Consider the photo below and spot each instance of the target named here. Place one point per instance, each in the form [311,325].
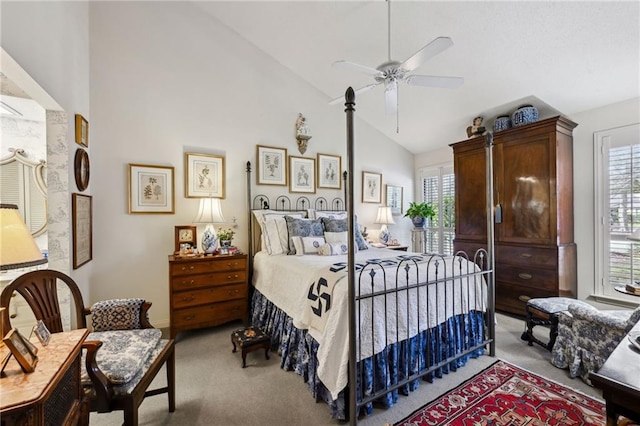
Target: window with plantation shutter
[618,208]
[438,189]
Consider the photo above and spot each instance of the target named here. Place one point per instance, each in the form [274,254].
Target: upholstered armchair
[123,353]
[587,336]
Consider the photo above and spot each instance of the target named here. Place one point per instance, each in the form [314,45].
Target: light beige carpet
[212,388]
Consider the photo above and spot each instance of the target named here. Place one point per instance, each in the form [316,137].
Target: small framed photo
[21,350]
[371,187]
[271,165]
[42,333]
[302,174]
[82,131]
[329,171]
[204,175]
[151,189]
[185,235]
[82,218]
[394,198]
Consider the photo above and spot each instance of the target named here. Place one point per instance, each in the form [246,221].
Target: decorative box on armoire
[535,255]
[207,291]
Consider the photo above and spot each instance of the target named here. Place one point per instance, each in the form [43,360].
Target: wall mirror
[23,182]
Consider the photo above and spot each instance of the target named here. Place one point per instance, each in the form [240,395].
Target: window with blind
[618,207]
[438,189]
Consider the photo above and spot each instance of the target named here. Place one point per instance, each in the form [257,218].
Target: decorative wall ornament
[302,133]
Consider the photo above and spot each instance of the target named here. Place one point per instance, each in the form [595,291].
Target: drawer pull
[229,277]
[525,276]
[232,292]
[189,317]
[188,282]
[188,298]
[525,255]
[191,268]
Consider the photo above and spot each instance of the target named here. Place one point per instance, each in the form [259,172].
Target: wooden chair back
[40,290]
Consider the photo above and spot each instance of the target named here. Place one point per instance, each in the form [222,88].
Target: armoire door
[470,187]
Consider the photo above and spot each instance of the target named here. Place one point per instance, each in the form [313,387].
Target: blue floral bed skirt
[431,347]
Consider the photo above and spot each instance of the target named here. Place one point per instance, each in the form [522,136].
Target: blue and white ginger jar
[526,114]
[502,122]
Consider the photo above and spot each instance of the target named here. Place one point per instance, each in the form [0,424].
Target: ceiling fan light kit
[390,72]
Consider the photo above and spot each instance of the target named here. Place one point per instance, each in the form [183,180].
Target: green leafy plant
[425,210]
[226,234]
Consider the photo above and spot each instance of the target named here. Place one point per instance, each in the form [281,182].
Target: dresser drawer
[207,280]
[527,277]
[200,267]
[185,299]
[203,316]
[529,256]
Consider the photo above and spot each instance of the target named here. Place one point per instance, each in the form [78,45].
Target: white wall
[589,122]
[167,79]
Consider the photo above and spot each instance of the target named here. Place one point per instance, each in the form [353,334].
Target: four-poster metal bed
[410,317]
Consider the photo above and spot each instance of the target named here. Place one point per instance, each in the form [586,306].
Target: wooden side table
[53,391]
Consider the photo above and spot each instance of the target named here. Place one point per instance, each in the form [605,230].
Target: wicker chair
[124,352]
[587,336]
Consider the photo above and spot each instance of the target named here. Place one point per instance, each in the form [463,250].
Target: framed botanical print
[271,165]
[371,187]
[302,172]
[82,131]
[151,189]
[82,218]
[185,235]
[329,171]
[394,198]
[204,175]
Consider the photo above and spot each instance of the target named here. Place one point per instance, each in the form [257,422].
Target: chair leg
[171,380]
[130,413]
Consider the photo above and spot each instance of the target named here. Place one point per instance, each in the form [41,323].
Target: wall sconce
[209,212]
[384,217]
[302,133]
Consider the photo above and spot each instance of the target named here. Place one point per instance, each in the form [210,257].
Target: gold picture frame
[24,353]
[151,189]
[394,199]
[204,175]
[302,174]
[82,131]
[371,187]
[271,164]
[329,171]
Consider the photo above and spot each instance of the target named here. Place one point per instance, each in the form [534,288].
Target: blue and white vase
[502,122]
[384,235]
[209,240]
[525,114]
[419,222]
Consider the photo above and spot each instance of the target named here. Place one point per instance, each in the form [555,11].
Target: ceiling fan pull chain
[389,29]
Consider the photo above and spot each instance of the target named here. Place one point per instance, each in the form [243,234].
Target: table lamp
[384,217]
[18,249]
[210,212]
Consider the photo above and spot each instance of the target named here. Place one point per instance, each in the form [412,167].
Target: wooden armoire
[535,255]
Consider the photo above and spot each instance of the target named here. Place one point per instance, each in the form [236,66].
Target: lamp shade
[635,236]
[384,216]
[18,249]
[209,211]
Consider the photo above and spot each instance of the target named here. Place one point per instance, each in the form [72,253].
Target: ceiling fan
[390,72]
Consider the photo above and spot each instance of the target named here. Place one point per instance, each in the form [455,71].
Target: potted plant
[225,236]
[419,213]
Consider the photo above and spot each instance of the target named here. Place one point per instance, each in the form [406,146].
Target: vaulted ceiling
[562,57]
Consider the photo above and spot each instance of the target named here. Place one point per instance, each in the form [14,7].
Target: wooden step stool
[250,339]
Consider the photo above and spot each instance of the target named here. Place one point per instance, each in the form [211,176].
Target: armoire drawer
[528,256]
[527,277]
[185,299]
[508,296]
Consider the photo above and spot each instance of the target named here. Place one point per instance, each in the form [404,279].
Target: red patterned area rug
[504,394]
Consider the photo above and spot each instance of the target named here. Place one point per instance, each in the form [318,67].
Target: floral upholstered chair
[587,336]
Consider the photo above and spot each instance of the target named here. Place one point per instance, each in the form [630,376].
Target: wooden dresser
[52,393]
[533,181]
[207,291]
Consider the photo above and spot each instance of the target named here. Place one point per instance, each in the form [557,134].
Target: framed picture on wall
[371,187]
[204,175]
[271,165]
[394,198]
[82,131]
[151,189]
[302,172]
[81,213]
[329,171]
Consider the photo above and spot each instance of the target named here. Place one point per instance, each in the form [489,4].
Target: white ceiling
[564,57]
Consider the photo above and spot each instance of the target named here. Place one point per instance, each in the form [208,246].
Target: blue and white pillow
[340,225]
[302,228]
[307,245]
[333,249]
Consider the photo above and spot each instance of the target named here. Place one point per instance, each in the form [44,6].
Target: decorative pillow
[302,228]
[339,238]
[333,249]
[340,225]
[275,238]
[307,245]
[317,214]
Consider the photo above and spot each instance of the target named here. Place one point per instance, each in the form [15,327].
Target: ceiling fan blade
[429,51]
[435,81]
[357,91]
[391,96]
[357,67]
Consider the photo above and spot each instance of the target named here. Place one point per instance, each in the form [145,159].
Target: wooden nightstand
[207,291]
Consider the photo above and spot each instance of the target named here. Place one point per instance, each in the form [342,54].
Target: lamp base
[209,240]
[384,235]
